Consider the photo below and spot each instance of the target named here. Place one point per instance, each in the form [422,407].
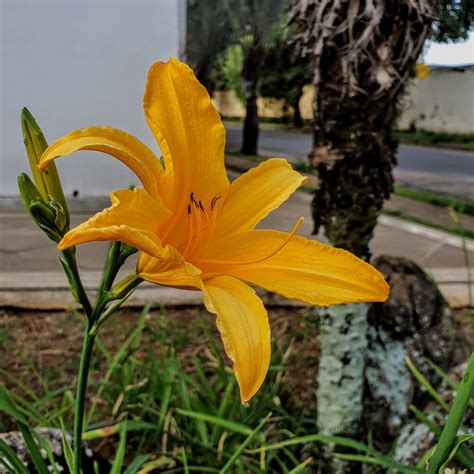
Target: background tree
[256,19]
[209,32]
[226,72]
[284,72]
[363,53]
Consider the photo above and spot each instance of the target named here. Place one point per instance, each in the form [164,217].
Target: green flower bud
[47,182]
[48,215]
[28,191]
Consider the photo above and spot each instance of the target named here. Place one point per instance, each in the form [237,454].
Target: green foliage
[462,140]
[454,229]
[455,19]
[226,71]
[284,73]
[182,413]
[459,205]
[210,30]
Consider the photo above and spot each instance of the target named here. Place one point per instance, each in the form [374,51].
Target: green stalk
[111,267]
[83,376]
[77,288]
[453,422]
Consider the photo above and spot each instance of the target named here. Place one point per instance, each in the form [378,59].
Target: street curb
[50,291]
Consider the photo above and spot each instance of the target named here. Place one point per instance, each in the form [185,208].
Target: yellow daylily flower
[195,230]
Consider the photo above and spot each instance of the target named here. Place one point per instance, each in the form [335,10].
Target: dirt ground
[41,349]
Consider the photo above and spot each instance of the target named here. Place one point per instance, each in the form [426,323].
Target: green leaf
[33,449]
[152,465]
[45,446]
[106,431]
[215,420]
[7,406]
[137,463]
[337,440]
[454,419]
[118,460]
[457,445]
[381,461]
[133,338]
[428,387]
[70,278]
[10,460]
[67,448]
[241,448]
[449,381]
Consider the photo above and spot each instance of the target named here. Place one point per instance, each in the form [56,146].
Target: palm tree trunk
[363,55]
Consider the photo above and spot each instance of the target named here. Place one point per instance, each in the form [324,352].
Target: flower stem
[75,281]
[83,376]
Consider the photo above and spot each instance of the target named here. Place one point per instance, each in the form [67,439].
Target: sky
[453,54]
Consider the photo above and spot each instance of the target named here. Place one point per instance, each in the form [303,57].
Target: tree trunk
[363,55]
[342,345]
[253,61]
[250,131]
[203,74]
[297,120]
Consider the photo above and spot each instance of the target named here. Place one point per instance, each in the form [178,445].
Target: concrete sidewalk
[30,273]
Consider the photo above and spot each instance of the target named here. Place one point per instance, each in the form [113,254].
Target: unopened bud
[28,191]
[47,182]
[48,215]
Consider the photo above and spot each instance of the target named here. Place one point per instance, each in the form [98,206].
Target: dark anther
[191,197]
[201,206]
[189,209]
[214,201]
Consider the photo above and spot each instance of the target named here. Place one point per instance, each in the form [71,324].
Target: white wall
[442,102]
[78,63]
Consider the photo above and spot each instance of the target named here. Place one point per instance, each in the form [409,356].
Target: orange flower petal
[133,219]
[303,269]
[243,323]
[188,130]
[256,193]
[126,148]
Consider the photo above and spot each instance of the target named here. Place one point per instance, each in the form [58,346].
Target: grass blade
[10,460]
[449,381]
[136,464]
[428,387]
[118,460]
[455,416]
[338,440]
[386,462]
[129,425]
[215,420]
[67,448]
[241,448]
[457,446]
[121,354]
[33,449]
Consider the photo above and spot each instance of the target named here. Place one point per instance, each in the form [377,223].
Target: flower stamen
[259,260]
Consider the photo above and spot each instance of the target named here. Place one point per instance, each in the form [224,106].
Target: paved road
[435,169]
